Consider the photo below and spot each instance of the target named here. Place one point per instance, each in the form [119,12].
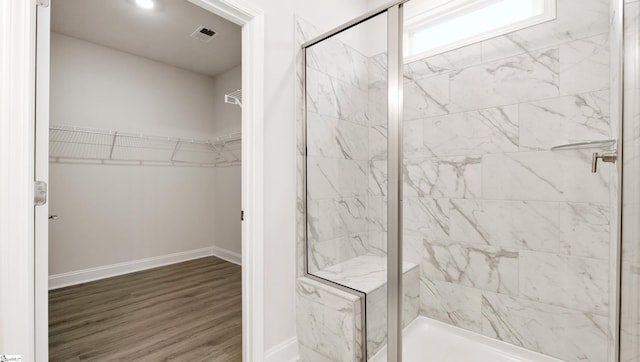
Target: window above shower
[462,22]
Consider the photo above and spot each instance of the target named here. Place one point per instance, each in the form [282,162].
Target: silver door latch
[608,156]
[39,194]
[10,358]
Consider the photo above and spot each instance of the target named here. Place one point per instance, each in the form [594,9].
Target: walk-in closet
[144,188]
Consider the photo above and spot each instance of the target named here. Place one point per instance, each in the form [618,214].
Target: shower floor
[428,340]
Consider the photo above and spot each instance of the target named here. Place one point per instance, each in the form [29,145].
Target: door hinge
[43,3]
[241,215]
[40,193]
[10,358]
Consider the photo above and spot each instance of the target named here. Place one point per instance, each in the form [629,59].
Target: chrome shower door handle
[609,156]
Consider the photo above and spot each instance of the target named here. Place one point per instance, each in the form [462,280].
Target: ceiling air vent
[203,34]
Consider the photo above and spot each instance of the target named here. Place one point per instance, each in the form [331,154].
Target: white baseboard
[227,255]
[286,351]
[112,270]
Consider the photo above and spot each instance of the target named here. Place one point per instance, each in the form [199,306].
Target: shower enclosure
[466,176]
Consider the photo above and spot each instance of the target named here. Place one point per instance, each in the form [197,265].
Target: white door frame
[252,22]
[24,243]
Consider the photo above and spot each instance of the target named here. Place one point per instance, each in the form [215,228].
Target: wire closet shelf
[95,146]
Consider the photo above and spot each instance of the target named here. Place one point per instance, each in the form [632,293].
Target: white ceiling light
[145,4]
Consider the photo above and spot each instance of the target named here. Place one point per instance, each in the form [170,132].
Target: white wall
[226,211]
[95,86]
[113,214]
[227,182]
[228,116]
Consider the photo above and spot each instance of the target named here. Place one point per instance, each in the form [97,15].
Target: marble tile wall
[338,130]
[328,323]
[512,238]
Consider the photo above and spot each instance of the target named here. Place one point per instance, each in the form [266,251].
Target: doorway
[144,179]
[251,21]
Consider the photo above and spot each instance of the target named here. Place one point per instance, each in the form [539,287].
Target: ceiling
[162,33]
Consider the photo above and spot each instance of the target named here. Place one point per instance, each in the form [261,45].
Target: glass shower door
[508,227]
[346,176]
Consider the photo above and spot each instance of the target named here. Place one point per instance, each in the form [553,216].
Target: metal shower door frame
[395,39]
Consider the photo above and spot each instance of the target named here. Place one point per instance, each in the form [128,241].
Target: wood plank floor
[189,311]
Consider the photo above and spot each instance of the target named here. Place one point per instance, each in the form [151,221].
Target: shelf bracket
[175,149]
[113,144]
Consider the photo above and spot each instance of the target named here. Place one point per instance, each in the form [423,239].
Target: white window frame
[427,16]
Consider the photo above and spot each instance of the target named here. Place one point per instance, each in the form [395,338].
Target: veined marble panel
[326,322]
[377,208]
[631,60]
[377,107]
[456,177]
[332,218]
[412,141]
[322,178]
[528,225]
[556,331]
[412,248]
[377,217]
[630,319]
[323,254]
[300,217]
[562,120]
[336,178]
[481,267]
[340,61]
[303,32]
[490,130]
[548,176]
[378,71]
[330,137]
[377,242]
[335,98]
[426,217]
[585,230]
[584,65]
[426,97]
[378,177]
[378,142]
[512,80]
[411,292]
[444,63]
[572,282]
[454,304]
[578,229]
[575,19]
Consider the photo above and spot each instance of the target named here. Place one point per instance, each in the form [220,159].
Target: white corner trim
[112,270]
[228,255]
[286,351]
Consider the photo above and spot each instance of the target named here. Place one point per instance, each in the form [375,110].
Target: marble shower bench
[329,319]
